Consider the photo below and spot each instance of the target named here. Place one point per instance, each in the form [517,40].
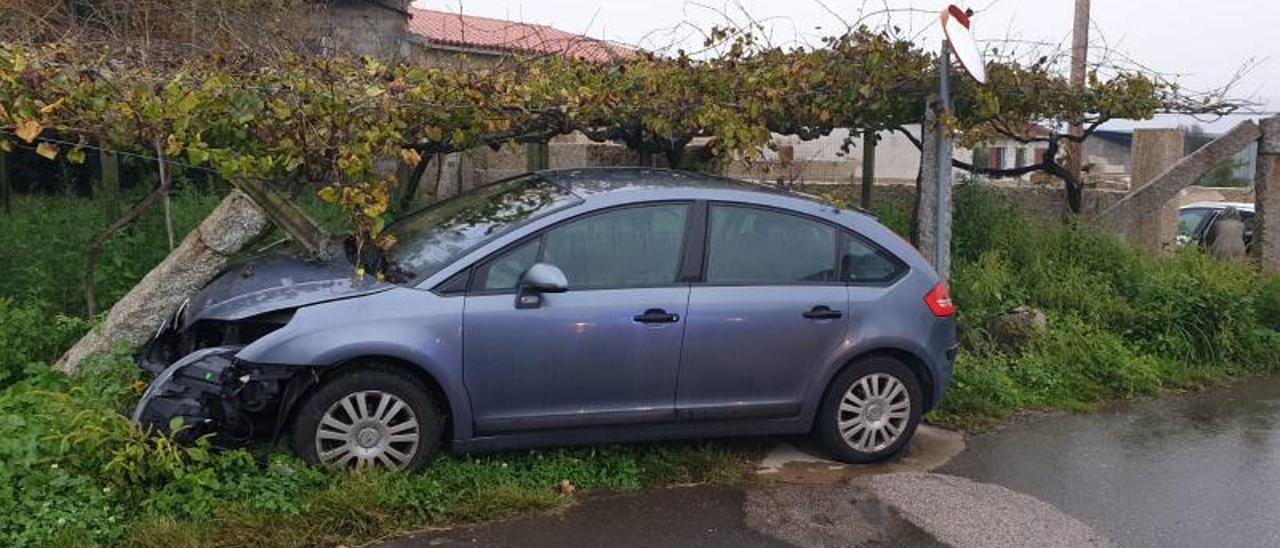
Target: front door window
[592,355]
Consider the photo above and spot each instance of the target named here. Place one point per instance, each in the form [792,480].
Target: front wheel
[368,417]
[870,411]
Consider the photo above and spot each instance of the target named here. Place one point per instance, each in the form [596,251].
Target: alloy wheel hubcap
[874,412]
[370,428]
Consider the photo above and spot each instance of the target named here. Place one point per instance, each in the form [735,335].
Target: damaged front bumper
[210,392]
[190,394]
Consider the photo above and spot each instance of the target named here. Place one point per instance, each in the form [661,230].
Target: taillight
[939,301]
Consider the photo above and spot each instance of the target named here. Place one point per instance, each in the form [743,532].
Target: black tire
[873,369]
[374,380]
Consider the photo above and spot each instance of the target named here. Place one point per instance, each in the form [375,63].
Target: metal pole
[942,205]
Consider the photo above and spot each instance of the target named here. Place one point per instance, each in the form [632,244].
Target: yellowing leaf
[410,157]
[52,106]
[4,114]
[76,155]
[328,194]
[48,151]
[6,146]
[28,130]
[173,146]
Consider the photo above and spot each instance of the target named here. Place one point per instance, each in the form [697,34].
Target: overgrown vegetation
[73,471]
[1120,323]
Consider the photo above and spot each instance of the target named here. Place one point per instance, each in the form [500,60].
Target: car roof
[602,180]
[1219,205]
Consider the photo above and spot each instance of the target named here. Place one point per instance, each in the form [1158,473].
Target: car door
[604,352]
[770,313]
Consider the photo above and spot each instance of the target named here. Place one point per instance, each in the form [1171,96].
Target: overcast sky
[1202,43]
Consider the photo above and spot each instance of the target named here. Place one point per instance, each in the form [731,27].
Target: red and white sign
[955,25]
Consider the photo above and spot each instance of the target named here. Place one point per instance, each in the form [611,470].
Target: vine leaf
[410,157]
[47,151]
[28,130]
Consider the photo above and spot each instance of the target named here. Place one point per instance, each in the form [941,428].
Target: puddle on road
[788,463]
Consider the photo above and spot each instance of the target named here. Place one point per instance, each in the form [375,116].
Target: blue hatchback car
[568,307]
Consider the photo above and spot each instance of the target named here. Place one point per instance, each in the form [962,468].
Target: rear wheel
[870,411]
[372,417]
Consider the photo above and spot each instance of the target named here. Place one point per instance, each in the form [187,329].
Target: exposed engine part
[174,340]
[213,393]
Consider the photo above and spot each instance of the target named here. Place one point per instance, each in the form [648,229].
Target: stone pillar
[537,156]
[1266,186]
[201,256]
[1154,152]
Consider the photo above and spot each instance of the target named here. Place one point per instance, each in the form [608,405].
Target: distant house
[397,29]
[823,160]
[442,37]
[365,27]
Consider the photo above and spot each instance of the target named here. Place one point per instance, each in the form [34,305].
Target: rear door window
[754,246]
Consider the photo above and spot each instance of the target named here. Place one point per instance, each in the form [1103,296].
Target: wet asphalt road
[693,517]
[1199,469]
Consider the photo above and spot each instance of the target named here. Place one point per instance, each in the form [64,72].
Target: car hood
[275,282]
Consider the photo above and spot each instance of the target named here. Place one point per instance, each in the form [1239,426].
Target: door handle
[823,312]
[656,315]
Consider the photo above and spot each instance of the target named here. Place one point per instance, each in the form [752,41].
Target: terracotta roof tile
[500,35]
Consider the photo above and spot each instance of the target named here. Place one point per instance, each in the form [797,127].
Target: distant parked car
[1195,219]
[566,307]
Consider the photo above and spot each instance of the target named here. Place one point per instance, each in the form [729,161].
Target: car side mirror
[538,279]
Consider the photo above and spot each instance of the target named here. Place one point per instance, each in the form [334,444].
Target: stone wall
[451,173]
[1041,204]
[361,27]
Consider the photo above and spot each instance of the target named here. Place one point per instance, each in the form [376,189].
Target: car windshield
[1189,220]
[434,237]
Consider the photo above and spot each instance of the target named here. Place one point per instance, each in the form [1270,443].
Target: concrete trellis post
[1266,186]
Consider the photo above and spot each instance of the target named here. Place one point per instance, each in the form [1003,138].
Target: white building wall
[897,159]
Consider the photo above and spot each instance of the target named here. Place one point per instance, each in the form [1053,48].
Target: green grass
[1121,323]
[73,471]
[44,243]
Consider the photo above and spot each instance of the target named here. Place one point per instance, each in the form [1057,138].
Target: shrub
[1121,323]
[1269,302]
[45,242]
[31,336]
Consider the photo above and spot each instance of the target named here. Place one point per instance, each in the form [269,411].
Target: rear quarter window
[862,262]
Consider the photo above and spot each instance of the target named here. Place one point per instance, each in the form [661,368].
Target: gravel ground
[964,514]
